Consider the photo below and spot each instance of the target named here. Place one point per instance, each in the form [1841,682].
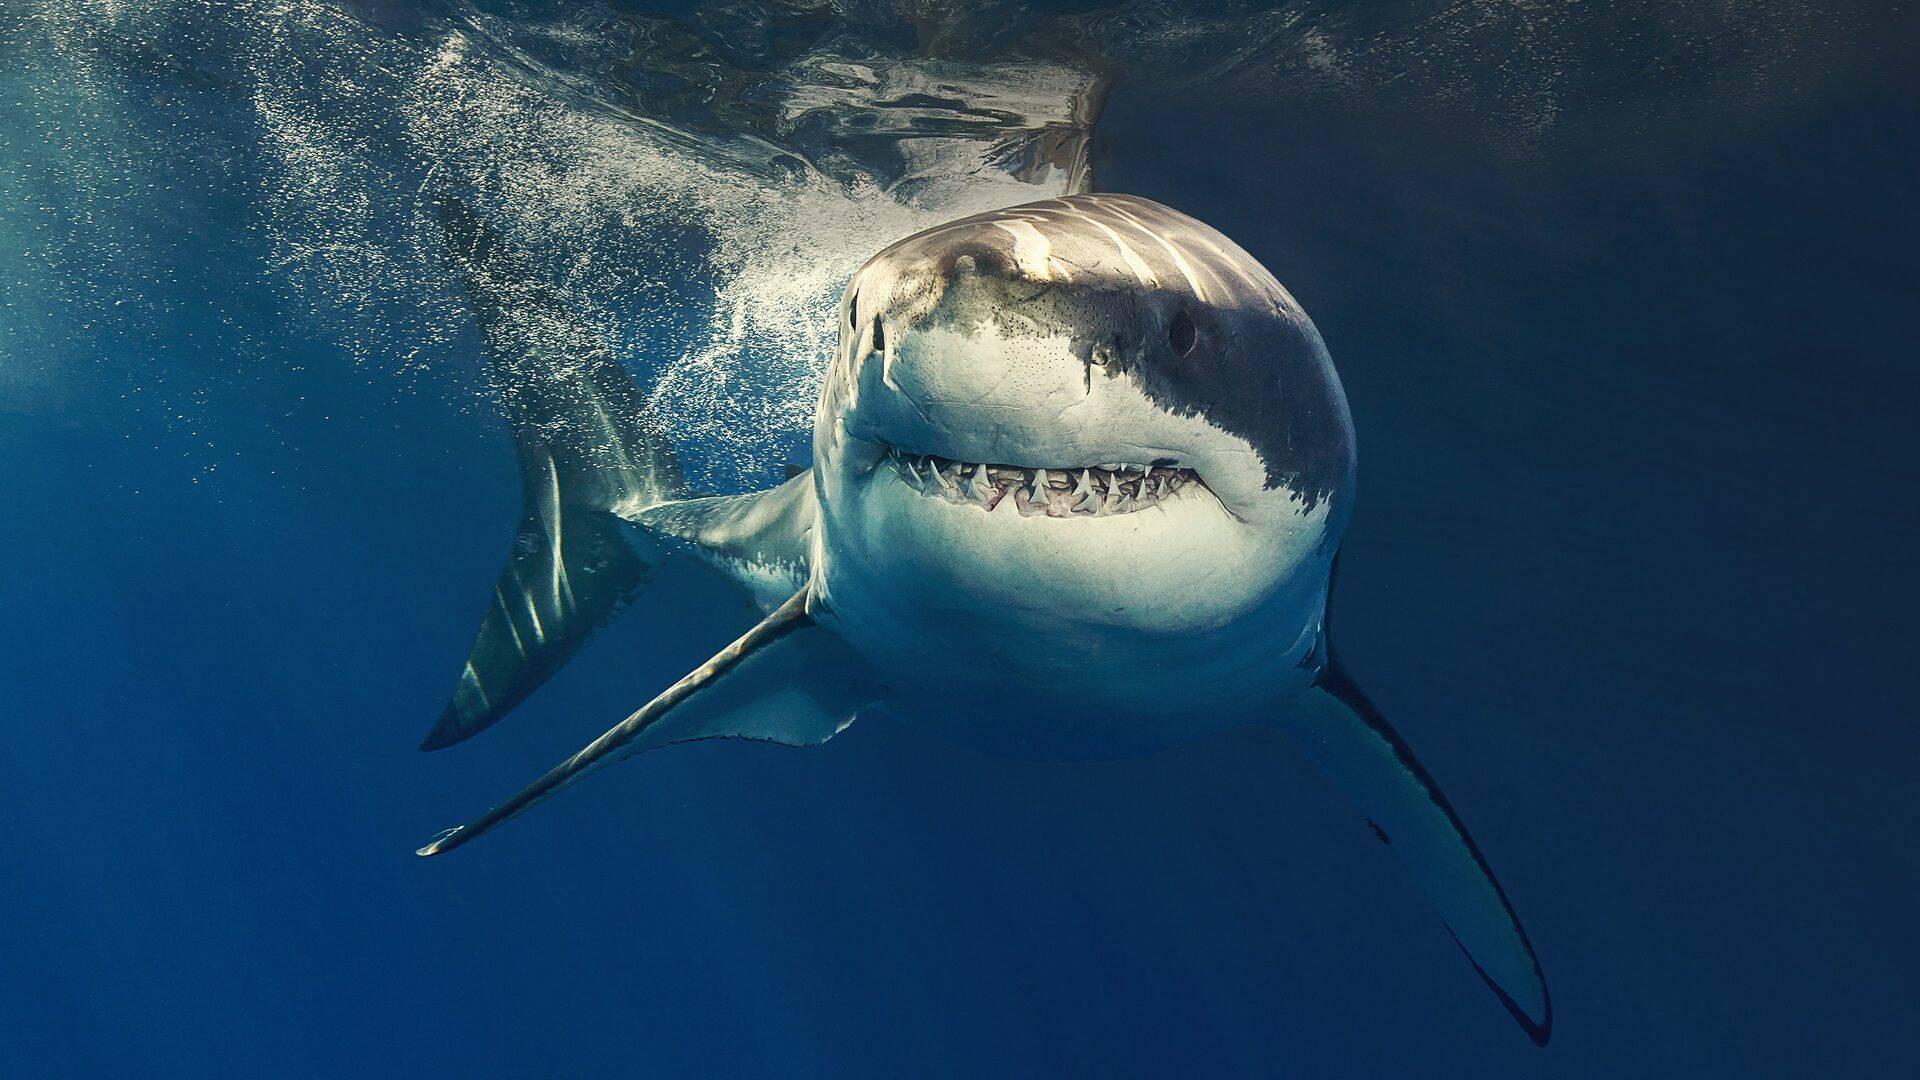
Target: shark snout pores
[940,345]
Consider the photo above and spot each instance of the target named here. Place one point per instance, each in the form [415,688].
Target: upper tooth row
[938,467]
[1095,489]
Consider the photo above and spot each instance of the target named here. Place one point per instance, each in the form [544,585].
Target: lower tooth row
[1033,490]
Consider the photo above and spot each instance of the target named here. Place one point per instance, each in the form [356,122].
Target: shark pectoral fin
[1351,741]
[761,539]
[787,680]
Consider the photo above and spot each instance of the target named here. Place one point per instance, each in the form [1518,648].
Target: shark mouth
[1088,490]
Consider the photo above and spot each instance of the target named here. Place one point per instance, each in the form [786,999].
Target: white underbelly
[1065,637]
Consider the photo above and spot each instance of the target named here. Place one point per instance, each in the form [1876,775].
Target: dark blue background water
[1630,569]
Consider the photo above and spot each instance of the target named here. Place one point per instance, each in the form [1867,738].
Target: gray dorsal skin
[1090,455]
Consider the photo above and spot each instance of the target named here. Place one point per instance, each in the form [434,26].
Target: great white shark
[1081,469]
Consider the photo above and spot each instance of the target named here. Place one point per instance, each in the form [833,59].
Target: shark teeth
[979,488]
[1082,490]
[940,478]
[1085,500]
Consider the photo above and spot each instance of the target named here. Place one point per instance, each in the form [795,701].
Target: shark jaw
[1061,491]
[956,552]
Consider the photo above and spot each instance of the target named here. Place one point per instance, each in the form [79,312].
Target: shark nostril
[879,337]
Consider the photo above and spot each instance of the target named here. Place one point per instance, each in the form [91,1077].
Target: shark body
[1081,471]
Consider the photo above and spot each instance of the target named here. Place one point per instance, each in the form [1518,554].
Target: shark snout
[975,393]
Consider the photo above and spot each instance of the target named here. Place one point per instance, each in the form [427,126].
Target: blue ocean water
[1619,298]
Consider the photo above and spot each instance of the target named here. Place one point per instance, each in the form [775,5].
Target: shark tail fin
[590,453]
[572,568]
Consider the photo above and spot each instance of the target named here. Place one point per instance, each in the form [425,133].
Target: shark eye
[1181,335]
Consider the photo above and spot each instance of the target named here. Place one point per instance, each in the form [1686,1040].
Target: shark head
[1075,436]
